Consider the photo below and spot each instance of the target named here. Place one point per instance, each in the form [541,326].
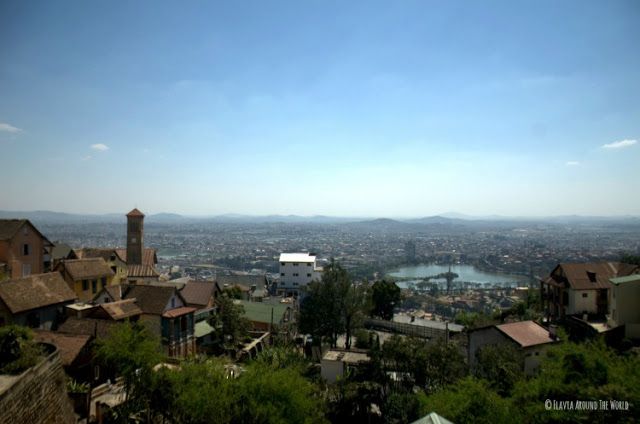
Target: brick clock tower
[135,244]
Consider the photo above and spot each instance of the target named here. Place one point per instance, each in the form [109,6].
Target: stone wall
[38,395]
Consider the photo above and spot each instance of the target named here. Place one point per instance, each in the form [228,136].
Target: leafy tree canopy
[385,295]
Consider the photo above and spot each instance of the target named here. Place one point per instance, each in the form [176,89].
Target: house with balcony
[166,314]
[581,289]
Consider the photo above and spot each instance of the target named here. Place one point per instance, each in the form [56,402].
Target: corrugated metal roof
[635,278]
[203,328]
[526,333]
[261,312]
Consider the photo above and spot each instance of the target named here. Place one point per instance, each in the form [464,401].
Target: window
[105,300]
[295,264]
[94,286]
[282,274]
[308,275]
[25,230]
[103,282]
[295,284]
[282,263]
[173,302]
[308,263]
[282,283]
[25,249]
[133,239]
[295,274]
[585,294]
[85,285]
[26,270]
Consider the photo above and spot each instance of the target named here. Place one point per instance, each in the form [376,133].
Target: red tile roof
[151,299]
[84,269]
[173,313]
[35,291]
[148,256]
[121,309]
[526,333]
[142,271]
[198,292]
[69,345]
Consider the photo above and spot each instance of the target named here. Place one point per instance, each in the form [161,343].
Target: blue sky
[337,108]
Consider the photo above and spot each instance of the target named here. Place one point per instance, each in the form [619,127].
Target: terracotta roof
[148,256]
[135,212]
[93,252]
[35,291]
[121,309]
[526,333]
[198,293]
[115,291]
[141,271]
[83,269]
[69,345]
[87,326]
[173,313]
[9,228]
[593,275]
[151,299]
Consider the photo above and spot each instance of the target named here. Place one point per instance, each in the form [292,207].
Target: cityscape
[317,212]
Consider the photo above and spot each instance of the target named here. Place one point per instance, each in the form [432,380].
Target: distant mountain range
[445,219]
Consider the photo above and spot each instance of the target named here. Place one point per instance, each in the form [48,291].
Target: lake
[467,273]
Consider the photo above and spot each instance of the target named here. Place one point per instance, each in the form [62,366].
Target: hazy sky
[393,108]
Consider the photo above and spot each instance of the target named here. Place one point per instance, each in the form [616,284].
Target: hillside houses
[23,249]
[35,301]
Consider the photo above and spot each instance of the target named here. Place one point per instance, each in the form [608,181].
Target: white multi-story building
[296,271]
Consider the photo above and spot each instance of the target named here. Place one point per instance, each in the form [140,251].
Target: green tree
[430,365]
[233,327]
[131,351]
[473,320]
[501,366]
[197,393]
[18,351]
[470,401]
[581,371]
[333,306]
[277,395]
[385,295]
